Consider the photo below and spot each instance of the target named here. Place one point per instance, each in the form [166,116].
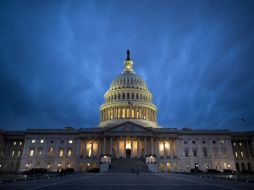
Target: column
[111,142]
[117,148]
[138,151]
[164,149]
[131,147]
[92,148]
[178,148]
[84,148]
[99,147]
[79,147]
[145,146]
[152,146]
[248,149]
[229,147]
[174,147]
[105,146]
[171,149]
[124,148]
[157,148]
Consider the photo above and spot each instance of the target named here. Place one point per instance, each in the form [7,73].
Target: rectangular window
[40,152]
[19,153]
[33,141]
[14,143]
[69,152]
[61,152]
[12,153]
[186,153]
[195,153]
[236,154]
[20,143]
[70,141]
[31,154]
[242,154]
[51,151]
[42,141]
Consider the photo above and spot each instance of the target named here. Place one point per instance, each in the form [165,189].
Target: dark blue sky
[58,58]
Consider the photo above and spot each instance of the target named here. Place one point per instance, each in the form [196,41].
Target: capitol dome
[128,99]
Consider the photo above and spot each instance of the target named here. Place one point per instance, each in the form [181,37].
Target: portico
[129,140]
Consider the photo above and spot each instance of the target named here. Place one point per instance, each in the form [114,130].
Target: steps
[120,165]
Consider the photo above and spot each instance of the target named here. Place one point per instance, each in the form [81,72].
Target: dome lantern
[128,63]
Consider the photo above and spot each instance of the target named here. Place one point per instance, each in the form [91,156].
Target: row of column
[165,142]
[128,113]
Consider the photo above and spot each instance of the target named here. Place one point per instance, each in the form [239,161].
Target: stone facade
[165,149]
[127,130]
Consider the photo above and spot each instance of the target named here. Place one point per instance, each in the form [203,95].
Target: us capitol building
[127,136]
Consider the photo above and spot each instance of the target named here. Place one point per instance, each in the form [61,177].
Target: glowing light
[128,145]
[31,153]
[61,152]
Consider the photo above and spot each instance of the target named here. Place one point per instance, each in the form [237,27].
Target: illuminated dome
[128,99]
[128,80]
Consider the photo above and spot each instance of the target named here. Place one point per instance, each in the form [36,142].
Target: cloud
[57,59]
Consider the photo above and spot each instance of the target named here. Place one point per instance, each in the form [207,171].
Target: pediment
[128,127]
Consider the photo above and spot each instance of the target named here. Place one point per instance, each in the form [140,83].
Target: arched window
[249,167]
[123,96]
[243,167]
[237,167]
[205,152]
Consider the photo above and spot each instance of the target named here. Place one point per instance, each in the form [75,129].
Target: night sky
[58,58]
